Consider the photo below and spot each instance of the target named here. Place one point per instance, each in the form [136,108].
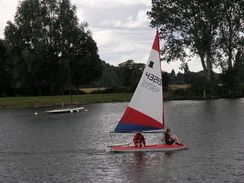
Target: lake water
[72,147]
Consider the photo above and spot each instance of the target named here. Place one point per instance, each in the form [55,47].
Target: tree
[230,80]
[4,74]
[165,79]
[52,47]
[230,29]
[234,76]
[109,76]
[172,77]
[87,66]
[130,73]
[193,28]
[239,64]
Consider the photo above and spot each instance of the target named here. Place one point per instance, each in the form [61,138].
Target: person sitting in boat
[171,139]
[139,140]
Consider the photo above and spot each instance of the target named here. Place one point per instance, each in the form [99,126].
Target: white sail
[145,110]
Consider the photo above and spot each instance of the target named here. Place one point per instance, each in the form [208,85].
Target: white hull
[65,110]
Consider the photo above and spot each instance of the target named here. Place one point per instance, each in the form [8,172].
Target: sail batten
[145,110]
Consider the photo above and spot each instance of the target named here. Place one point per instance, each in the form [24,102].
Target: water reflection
[139,162]
[149,166]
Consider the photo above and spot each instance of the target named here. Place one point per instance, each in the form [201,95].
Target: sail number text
[154,78]
[152,83]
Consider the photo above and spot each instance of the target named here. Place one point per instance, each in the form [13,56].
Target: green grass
[54,100]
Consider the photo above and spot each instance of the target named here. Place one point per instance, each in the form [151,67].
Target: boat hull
[65,110]
[156,147]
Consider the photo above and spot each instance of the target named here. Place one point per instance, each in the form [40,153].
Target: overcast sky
[120,28]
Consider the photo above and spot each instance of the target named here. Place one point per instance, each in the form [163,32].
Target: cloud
[105,4]
[118,45]
[138,21]
[120,28]
[7,12]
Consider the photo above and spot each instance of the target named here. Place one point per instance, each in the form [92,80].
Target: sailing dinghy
[145,111]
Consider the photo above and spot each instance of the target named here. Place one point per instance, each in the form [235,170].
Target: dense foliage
[48,50]
[4,72]
[211,30]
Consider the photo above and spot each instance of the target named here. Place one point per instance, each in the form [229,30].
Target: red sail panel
[156,43]
[133,116]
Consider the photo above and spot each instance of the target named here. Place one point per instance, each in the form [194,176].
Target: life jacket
[139,137]
[168,139]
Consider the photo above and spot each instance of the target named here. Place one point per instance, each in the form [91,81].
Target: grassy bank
[57,100]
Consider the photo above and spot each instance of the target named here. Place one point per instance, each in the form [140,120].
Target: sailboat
[145,112]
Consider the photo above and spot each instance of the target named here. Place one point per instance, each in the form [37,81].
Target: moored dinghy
[145,111]
[64,110]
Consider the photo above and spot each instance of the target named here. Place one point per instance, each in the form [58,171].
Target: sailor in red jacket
[139,140]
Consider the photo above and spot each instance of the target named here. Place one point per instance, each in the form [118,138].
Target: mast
[163,119]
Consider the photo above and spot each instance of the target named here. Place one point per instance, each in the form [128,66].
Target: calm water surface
[72,147]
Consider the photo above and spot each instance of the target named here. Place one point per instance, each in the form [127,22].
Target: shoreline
[45,101]
[66,100]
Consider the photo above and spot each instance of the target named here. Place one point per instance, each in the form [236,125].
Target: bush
[74,92]
[180,92]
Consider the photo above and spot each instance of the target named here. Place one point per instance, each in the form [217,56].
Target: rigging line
[162,139]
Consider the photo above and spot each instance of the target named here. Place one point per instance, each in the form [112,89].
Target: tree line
[128,74]
[125,77]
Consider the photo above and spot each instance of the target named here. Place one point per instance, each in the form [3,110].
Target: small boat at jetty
[64,110]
